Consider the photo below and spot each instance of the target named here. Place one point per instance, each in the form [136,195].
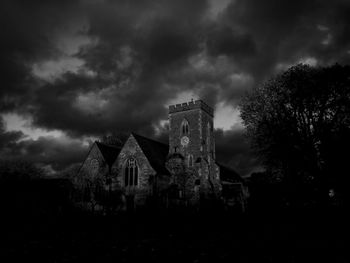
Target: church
[184,172]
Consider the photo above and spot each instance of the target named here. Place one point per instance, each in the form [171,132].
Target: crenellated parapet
[198,104]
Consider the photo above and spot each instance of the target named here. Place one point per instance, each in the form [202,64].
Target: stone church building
[147,172]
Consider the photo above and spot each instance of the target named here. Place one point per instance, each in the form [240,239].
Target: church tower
[191,131]
[191,134]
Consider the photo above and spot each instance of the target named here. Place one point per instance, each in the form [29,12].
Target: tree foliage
[299,123]
[19,170]
[115,139]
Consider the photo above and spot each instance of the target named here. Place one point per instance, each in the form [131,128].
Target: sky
[75,70]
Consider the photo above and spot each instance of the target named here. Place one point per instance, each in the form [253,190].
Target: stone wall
[198,104]
[87,168]
[200,179]
[92,170]
[202,142]
[146,173]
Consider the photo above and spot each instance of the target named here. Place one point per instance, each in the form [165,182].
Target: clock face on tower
[185,140]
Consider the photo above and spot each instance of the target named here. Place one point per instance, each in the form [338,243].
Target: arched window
[185,128]
[190,160]
[94,166]
[131,173]
[208,136]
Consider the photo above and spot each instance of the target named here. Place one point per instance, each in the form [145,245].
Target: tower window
[131,173]
[184,127]
[190,160]
[208,136]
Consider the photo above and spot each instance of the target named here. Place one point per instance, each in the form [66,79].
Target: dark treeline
[27,192]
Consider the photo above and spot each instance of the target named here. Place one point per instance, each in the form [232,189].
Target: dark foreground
[177,237]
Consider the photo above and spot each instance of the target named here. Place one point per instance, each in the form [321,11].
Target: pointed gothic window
[131,173]
[184,128]
[94,167]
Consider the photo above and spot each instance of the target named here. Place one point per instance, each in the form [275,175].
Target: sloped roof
[109,152]
[228,174]
[156,152]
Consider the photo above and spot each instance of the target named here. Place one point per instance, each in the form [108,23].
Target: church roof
[156,152]
[109,152]
[229,175]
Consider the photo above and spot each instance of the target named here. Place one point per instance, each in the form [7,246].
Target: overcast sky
[73,70]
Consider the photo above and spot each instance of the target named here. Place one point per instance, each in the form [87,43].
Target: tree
[115,139]
[183,179]
[70,172]
[96,190]
[298,123]
[19,170]
[26,191]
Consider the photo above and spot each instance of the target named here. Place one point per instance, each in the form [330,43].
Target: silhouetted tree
[299,122]
[96,190]
[182,181]
[19,170]
[115,138]
[25,190]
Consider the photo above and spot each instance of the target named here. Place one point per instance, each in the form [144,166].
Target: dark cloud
[137,46]
[223,40]
[285,31]
[57,153]
[93,67]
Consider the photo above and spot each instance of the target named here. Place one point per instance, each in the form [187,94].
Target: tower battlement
[198,104]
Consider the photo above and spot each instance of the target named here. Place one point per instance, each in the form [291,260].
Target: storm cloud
[86,68]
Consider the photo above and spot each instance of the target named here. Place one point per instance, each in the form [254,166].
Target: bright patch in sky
[241,80]
[217,6]
[322,28]
[311,61]
[160,127]
[201,62]
[93,102]
[51,69]
[15,122]
[226,117]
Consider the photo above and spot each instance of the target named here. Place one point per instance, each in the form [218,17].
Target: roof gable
[228,174]
[109,152]
[155,152]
